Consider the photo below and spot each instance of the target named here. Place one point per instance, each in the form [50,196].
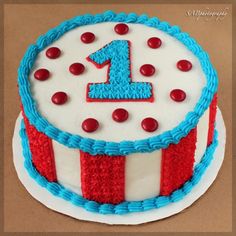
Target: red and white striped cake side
[41,151]
[107,179]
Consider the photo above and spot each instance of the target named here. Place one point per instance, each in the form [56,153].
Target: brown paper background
[22,25]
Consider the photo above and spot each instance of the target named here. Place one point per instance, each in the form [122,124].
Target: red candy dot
[147,70]
[120,115]
[121,28]
[59,98]
[154,42]
[149,124]
[76,68]
[41,74]
[87,37]
[90,125]
[178,95]
[184,65]
[53,52]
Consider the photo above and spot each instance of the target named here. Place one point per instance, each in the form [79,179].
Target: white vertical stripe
[202,135]
[67,162]
[142,175]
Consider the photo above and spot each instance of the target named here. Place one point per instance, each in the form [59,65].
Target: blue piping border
[93,146]
[126,206]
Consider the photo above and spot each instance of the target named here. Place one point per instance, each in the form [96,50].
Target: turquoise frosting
[127,206]
[94,146]
[119,85]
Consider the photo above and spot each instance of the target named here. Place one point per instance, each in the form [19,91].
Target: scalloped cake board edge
[65,207]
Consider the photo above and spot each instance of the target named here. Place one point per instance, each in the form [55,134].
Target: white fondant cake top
[69,116]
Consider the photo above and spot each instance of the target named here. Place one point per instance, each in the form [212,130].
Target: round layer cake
[118,109]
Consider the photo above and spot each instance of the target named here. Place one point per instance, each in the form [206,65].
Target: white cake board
[65,207]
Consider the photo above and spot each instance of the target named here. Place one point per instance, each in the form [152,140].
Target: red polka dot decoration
[184,65]
[120,115]
[76,68]
[90,125]
[177,95]
[59,98]
[149,124]
[41,74]
[121,28]
[53,52]
[87,37]
[147,70]
[154,42]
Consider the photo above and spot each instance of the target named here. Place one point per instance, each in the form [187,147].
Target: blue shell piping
[125,147]
[126,206]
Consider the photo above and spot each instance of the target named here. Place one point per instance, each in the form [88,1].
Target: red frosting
[76,68]
[90,125]
[53,52]
[178,95]
[121,28]
[41,74]
[103,178]
[87,37]
[59,98]
[120,115]
[177,163]
[212,117]
[147,70]
[149,124]
[41,151]
[154,42]
[184,65]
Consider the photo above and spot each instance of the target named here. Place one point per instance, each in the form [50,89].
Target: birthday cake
[118,112]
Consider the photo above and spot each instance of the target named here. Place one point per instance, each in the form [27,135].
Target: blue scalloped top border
[127,206]
[93,146]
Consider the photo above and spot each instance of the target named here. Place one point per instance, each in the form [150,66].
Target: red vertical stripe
[212,117]
[103,177]
[41,151]
[177,163]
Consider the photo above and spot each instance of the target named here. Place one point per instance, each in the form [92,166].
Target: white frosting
[142,175]
[202,135]
[68,117]
[67,163]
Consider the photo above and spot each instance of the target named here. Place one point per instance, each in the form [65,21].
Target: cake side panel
[202,136]
[142,175]
[177,163]
[103,178]
[212,117]
[42,151]
[67,164]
